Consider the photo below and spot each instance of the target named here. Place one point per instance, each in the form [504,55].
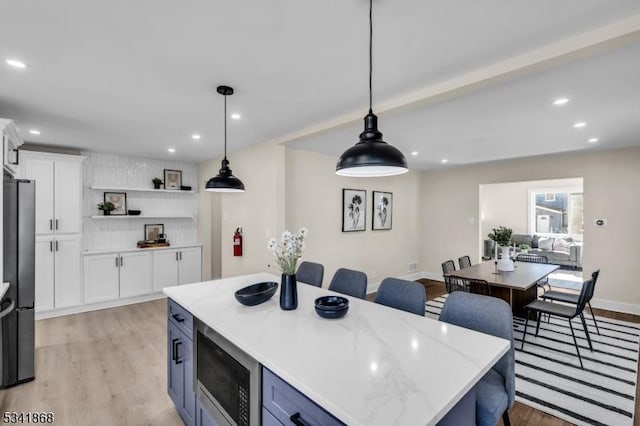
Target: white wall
[507,204]
[314,200]
[611,191]
[107,170]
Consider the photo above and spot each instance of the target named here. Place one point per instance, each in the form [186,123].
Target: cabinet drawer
[268,419]
[284,401]
[181,318]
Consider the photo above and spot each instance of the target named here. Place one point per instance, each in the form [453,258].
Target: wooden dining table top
[523,277]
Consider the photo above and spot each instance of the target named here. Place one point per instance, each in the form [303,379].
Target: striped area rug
[548,374]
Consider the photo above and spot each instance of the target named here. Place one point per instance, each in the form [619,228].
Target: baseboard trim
[98,306]
[612,305]
[373,287]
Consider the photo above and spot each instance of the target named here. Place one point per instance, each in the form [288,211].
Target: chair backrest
[469,285]
[448,267]
[585,294]
[407,295]
[349,282]
[478,286]
[489,315]
[594,277]
[464,262]
[310,273]
[531,258]
[452,284]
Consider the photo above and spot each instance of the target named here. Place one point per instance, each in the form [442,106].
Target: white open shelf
[116,189]
[127,216]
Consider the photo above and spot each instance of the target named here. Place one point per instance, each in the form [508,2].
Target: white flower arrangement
[289,250]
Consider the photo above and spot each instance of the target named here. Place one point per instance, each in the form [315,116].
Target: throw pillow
[560,244]
[534,241]
[545,243]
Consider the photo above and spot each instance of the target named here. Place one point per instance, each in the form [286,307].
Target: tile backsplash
[114,171]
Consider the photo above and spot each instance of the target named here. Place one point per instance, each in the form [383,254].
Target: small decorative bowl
[332,307]
[256,294]
[134,212]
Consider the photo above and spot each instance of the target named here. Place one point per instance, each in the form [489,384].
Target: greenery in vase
[156,181]
[525,247]
[501,235]
[106,206]
[288,250]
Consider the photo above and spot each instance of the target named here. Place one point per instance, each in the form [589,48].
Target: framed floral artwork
[354,203]
[382,210]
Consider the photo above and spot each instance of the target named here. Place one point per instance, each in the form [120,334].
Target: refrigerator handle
[8,309]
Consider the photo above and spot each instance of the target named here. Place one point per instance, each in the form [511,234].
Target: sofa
[559,250]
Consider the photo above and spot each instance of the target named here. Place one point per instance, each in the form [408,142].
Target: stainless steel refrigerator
[17,323]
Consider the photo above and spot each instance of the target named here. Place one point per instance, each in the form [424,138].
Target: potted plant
[156,182]
[502,237]
[525,248]
[287,252]
[106,207]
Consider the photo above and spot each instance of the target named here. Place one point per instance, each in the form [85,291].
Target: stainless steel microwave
[228,381]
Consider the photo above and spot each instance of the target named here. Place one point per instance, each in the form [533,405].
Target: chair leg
[539,314]
[524,333]
[505,418]
[594,317]
[575,342]
[586,331]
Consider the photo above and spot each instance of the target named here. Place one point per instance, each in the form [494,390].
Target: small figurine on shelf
[156,182]
[106,207]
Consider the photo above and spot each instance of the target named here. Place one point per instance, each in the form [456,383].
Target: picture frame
[354,212]
[382,211]
[119,200]
[172,179]
[153,231]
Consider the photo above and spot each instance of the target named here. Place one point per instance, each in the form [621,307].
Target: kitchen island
[375,366]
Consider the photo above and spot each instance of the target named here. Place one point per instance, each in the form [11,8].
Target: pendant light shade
[371,156]
[225,181]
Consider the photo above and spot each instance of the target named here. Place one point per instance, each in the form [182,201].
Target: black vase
[288,292]
[156,186]
[106,212]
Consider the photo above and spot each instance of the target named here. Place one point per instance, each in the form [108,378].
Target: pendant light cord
[370,55]
[225,127]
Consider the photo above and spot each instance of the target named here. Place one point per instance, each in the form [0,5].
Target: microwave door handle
[296,419]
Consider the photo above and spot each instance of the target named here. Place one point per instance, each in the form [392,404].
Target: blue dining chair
[310,273]
[495,392]
[349,282]
[409,296]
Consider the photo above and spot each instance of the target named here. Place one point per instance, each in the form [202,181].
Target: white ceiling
[138,77]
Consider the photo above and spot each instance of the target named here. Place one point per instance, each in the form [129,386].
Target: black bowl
[134,212]
[332,306]
[256,294]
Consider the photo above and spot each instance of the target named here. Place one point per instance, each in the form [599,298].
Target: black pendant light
[371,156]
[225,181]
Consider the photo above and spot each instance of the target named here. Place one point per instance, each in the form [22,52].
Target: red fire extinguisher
[237,242]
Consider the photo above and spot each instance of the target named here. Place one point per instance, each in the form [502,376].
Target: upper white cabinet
[58,181]
[11,141]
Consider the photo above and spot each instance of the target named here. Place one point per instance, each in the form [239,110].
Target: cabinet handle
[178,360]
[121,261]
[117,261]
[178,317]
[50,224]
[56,245]
[180,255]
[17,158]
[51,245]
[297,420]
[176,256]
[173,349]
[56,224]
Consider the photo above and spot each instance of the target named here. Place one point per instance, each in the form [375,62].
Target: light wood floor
[104,367]
[109,368]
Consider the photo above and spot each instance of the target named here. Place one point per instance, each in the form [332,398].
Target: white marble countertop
[375,366]
[131,249]
[3,289]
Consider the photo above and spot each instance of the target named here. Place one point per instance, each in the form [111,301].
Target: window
[556,211]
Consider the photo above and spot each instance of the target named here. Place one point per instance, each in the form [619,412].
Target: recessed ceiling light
[34,132]
[593,140]
[236,116]
[414,153]
[444,161]
[195,136]
[16,63]
[561,101]
[171,150]
[580,124]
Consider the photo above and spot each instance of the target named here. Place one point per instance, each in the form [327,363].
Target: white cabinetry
[58,190]
[117,275]
[11,141]
[58,283]
[177,267]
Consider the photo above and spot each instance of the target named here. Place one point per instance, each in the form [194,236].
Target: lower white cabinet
[177,267]
[115,275]
[57,272]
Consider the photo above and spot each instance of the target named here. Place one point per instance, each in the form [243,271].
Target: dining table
[518,287]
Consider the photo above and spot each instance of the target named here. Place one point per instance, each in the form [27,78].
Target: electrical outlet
[600,222]
[413,266]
